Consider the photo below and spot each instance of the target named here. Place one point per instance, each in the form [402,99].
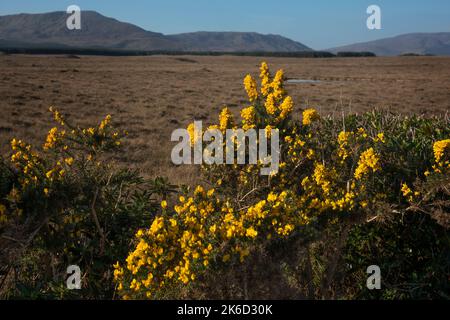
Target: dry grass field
[151,96]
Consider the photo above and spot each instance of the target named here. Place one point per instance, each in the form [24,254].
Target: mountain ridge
[101,32]
[49,31]
[434,43]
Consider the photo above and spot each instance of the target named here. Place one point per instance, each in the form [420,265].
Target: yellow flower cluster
[277,85]
[310,115]
[369,160]
[268,130]
[57,116]
[349,141]
[250,87]
[225,119]
[194,136]
[52,138]
[296,147]
[43,174]
[408,193]
[286,108]
[441,150]
[173,248]
[26,161]
[275,104]
[105,122]
[180,245]
[380,138]
[248,118]
[343,140]
[323,192]
[265,79]
[271,109]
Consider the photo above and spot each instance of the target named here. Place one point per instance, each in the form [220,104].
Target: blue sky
[319,24]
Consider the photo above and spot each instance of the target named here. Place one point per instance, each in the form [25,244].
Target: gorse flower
[265,79]
[406,190]
[380,138]
[286,108]
[343,140]
[369,160]
[309,115]
[408,193]
[52,138]
[439,149]
[250,87]
[225,119]
[268,131]
[277,85]
[105,122]
[192,134]
[57,116]
[251,232]
[270,104]
[69,161]
[320,176]
[248,117]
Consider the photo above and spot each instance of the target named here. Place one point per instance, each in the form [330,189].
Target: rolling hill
[417,43]
[49,30]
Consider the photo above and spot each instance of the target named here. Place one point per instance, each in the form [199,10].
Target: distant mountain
[236,41]
[418,43]
[48,30]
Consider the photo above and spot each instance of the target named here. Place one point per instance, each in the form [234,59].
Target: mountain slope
[419,43]
[236,41]
[98,31]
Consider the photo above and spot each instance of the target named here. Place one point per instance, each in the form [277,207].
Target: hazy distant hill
[419,43]
[236,41]
[98,31]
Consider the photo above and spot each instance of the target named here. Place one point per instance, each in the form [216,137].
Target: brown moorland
[152,96]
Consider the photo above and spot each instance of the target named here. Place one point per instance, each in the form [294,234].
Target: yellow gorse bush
[441,168]
[203,229]
[273,105]
[221,225]
[35,167]
[332,175]
[68,199]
